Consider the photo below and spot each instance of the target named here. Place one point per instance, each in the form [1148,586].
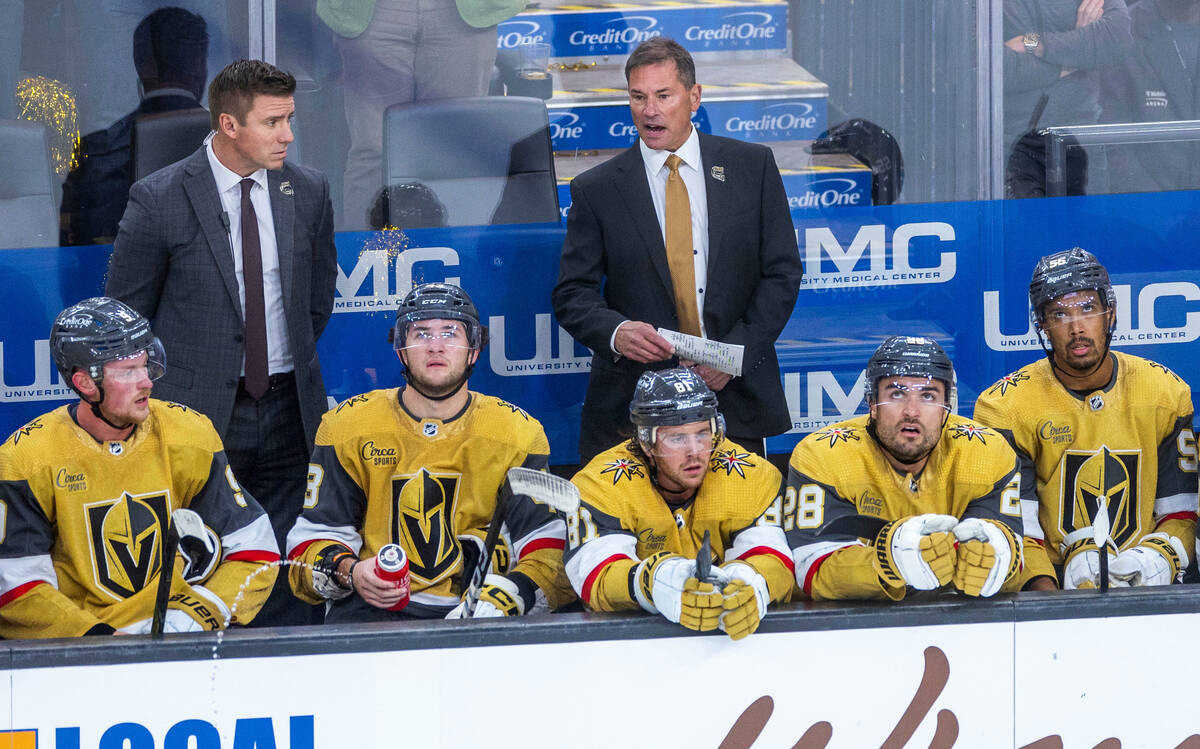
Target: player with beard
[1096,430]
[648,504]
[420,466]
[907,496]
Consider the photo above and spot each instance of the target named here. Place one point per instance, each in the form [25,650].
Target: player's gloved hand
[988,555]
[499,596]
[746,599]
[326,581]
[1081,568]
[701,605]
[1157,560]
[198,544]
[174,621]
[917,551]
[659,583]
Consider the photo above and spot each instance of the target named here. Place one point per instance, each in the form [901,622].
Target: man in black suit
[621,261]
[230,254]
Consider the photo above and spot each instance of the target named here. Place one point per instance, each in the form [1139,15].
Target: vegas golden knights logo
[1088,475]
[126,537]
[423,522]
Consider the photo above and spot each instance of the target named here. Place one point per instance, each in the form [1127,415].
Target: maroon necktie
[252,279]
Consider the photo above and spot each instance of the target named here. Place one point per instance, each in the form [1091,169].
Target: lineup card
[726,357]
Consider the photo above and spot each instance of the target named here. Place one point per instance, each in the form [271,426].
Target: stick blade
[545,488]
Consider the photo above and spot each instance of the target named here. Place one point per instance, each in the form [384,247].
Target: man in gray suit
[230,254]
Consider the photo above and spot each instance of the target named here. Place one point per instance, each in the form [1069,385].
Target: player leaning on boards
[87,490]
[648,503]
[420,466]
[907,496]
[1096,428]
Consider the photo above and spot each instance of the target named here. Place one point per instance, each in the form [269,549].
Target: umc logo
[370,286]
[1148,329]
[867,260]
[546,359]
[807,392]
[46,384]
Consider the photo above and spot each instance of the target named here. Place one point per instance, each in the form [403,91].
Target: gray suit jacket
[172,262]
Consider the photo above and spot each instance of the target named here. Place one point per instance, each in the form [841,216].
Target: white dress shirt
[279,354]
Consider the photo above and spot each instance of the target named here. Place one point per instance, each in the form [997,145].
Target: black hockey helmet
[1065,272]
[909,356]
[96,331]
[672,397]
[438,301]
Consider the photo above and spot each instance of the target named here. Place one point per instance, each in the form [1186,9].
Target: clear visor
[149,363]
[664,443]
[1062,313]
[927,395]
[434,334]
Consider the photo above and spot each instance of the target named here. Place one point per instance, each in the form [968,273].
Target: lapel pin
[718,173]
[285,187]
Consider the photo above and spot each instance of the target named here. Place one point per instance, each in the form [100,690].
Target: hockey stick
[544,488]
[704,560]
[184,524]
[1100,534]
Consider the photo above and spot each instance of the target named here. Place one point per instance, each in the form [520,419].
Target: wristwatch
[1032,41]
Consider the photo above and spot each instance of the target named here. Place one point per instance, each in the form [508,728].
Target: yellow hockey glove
[746,599]
[701,606]
[917,551]
[988,555]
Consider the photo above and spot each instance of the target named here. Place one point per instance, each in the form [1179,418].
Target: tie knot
[673,163]
[246,184]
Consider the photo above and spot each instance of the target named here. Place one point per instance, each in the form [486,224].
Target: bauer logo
[830,192]
[380,278]
[625,31]
[512,34]
[775,120]
[28,374]
[819,398]
[565,127]
[915,253]
[514,353]
[1164,313]
[749,26]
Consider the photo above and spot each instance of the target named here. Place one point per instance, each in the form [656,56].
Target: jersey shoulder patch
[504,422]
[348,418]
[179,425]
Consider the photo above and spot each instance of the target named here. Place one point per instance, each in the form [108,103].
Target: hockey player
[420,466]
[87,490]
[907,496]
[1097,430]
[648,503]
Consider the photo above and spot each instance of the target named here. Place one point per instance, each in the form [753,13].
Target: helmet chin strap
[1049,351]
[100,414]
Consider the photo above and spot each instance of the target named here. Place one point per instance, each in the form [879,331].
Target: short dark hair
[233,90]
[661,49]
[170,47]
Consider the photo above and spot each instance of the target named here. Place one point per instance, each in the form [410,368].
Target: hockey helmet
[1065,272]
[96,331]
[673,397]
[438,301]
[909,356]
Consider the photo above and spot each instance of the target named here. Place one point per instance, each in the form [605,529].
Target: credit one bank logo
[565,126]
[829,192]
[508,359]
[1154,303]
[776,119]
[735,27]
[513,34]
[828,264]
[628,31]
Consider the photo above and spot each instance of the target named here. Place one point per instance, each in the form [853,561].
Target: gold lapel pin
[285,187]
[718,173]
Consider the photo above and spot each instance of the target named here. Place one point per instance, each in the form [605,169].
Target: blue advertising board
[588,32]
[957,272]
[609,125]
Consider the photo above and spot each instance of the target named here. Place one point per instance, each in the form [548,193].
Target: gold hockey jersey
[1131,442]
[623,519]
[83,525]
[380,475]
[841,491]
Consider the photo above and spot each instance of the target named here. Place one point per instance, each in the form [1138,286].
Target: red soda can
[391,563]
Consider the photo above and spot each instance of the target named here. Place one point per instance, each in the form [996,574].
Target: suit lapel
[635,191]
[711,156]
[201,190]
[283,213]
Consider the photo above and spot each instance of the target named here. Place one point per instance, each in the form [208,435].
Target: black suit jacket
[172,262]
[614,268]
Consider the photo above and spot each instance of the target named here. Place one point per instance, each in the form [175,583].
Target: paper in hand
[724,357]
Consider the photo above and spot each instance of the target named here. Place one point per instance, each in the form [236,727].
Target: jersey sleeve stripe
[1185,502]
[305,531]
[19,591]
[551,535]
[809,557]
[759,539]
[582,562]
[256,537]
[21,571]
[812,573]
[252,556]
[542,543]
[1029,519]
[760,550]
[1186,516]
[586,593]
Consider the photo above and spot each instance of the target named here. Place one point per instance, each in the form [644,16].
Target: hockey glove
[659,582]
[1081,568]
[199,546]
[326,582]
[746,598]
[1157,560]
[917,551]
[701,605]
[988,555]
[499,596]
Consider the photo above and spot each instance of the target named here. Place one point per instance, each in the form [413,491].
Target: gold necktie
[680,253]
